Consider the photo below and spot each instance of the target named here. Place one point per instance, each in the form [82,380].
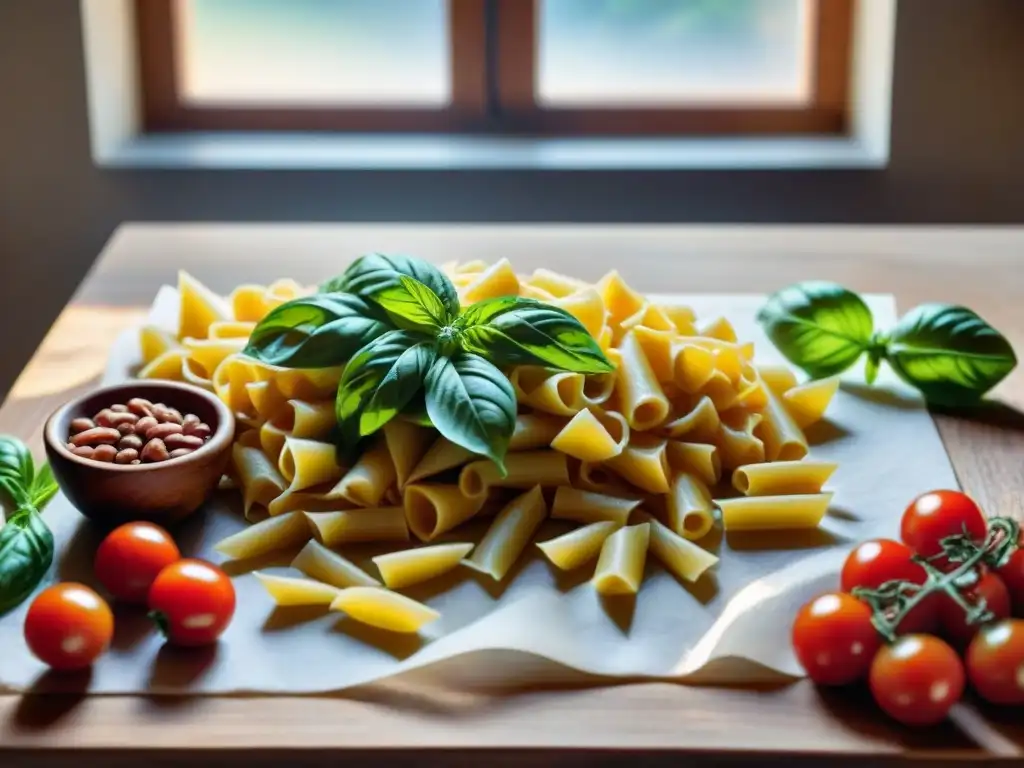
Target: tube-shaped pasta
[291,591]
[589,507]
[307,384]
[412,566]
[557,284]
[509,534]
[154,341]
[644,463]
[320,563]
[778,378]
[722,392]
[620,300]
[209,353]
[699,425]
[689,507]
[641,399]
[305,463]
[266,400]
[231,329]
[354,525]
[682,318]
[650,316]
[593,437]
[760,513]
[260,481]
[573,549]
[534,430]
[737,441]
[806,403]
[694,367]
[406,443]
[499,279]
[718,328]
[528,291]
[523,470]
[431,509]
[586,306]
[368,480]
[782,478]
[270,535]
[620,568]
[752,392]
[312,420]
[683,559]
[440,457]
[378,607]
[783,439]
[199,307]
[166,366]
[598,478]
[247,303]
[561,394]
[272,440]
[698,459]
[658,349]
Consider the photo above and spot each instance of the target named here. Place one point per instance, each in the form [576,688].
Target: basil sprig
[409,348]
[947,352]
[26,543]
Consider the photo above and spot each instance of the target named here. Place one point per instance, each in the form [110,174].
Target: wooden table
[393,724]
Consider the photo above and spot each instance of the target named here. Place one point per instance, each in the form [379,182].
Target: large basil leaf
[17,471]
[472,403]
[413,306]
[820,327]
[375,272]
[44,487]
[515,331]
[380,380]
[318,331]
[949,353]
[26,552]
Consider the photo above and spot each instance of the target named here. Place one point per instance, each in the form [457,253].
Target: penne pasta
[497,280]
[209,353]
[698,459]
[694,367]
[165,366]
[509,534]
[259,479]
[272,440]
[658,349]
[407,444]
[557,284]
[199,308]
[587,507]
[585,305]
[432,509]
[247,303]
[619,299]
[231,329]
[737,443]
[806,403]
[593,437]
[378,607]
[690,511]
[270,535]
[699,425]
[782,478]
[289,591]
[154,341]
[320,563]
[719,328]
[312,420]
[266,400]
[682,318]
[599,478]
[644,463]
[412,566]
[778,378]
[640,398]
[440,457]
[760,513]
[683,559]
[534,430]
[523,470]
[560,394]
[573,549]
[305,463]
[369,479]
[783,439]
[357,525]
[620,568]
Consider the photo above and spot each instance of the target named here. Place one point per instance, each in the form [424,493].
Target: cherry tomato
[192,601]
[130,558]
[877,561]
[952,616]
[68,626]
[917,679]
[995,662]
[933,516]
[1012,574]
[834,639]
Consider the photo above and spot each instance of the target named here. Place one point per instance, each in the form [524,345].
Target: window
[561,67]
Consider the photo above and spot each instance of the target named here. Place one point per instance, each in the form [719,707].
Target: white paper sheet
[730,627]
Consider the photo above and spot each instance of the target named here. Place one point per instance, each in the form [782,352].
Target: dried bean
[155,450]
[191,442]
[162,431]
[81,424]
[170,415]
[119,408]
[140,406]
[96,436]
[123,418]
[125,428]
[82,450]
[200,430]
[130,441]
[191,418]
[143,425]
[104,453]
[103,418]
[180,452]
[126,456]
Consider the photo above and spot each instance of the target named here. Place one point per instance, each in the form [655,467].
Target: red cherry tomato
[877,561]
[917,679]
[68,626]
[995,662]
[933,516]
[192,601]
[130,558]
[834,639]
[953,618]
[1012,574]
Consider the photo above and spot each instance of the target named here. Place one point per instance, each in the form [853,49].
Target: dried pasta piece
[783,439]
[722,392]
[155,341]
[509,534]
[806,403]
[778,378]
[231,329]
[586,305]
[523,470]
[698,425]
[557,284]
[368,480]
[683,559]
[406,443]
[644,463]
[412,566]
[690,511]
[440,457]
[378,607]
[760,513]
[305,463]
[737,440]
[528,291]
[683,318]
[312,420]
[620,568]
[166,366]
[287,591]
[357,525]
[658,347]
[260,481]
[561,394]
[640,398]
[199,308]
[573,549]
[247,303]
[209,353]
[497,280]
[620,300]
[320,563]
[598,478]
[718,328]
[782,478]
[694,367]
[698,459]
[270,535]
[534,430]
[266,400]
[432,509]
[593,437]
[272,440]
[589,507]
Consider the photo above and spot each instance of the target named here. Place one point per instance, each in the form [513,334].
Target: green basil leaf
[413,306]
[949,353]
[820,327]
[44,487]
[317,331]
[26,552]
[416,411]
[17,470]
[472,403]
[380,380]
[513,331]
[375,272]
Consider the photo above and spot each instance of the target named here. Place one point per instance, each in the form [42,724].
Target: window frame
[493,68]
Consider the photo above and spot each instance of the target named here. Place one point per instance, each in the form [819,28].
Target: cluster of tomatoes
[68,626]
[958,626]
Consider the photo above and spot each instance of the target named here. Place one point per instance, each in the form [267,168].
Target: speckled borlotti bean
[136,432]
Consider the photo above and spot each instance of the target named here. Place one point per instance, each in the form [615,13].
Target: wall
[957,156]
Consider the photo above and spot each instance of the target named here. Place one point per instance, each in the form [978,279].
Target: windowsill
[422,152]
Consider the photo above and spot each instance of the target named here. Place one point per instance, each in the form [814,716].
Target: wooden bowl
[162,492]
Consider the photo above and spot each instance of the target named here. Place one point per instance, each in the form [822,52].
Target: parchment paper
[732,626]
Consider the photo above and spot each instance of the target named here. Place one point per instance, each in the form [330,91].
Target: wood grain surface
[399,722]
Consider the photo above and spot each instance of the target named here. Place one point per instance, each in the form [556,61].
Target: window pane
[607,52]
[354,52]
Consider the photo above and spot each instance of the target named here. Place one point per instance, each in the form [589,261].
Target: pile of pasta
[646,459]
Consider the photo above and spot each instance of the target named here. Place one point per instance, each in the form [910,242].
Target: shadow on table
[990,413]
[52,697]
